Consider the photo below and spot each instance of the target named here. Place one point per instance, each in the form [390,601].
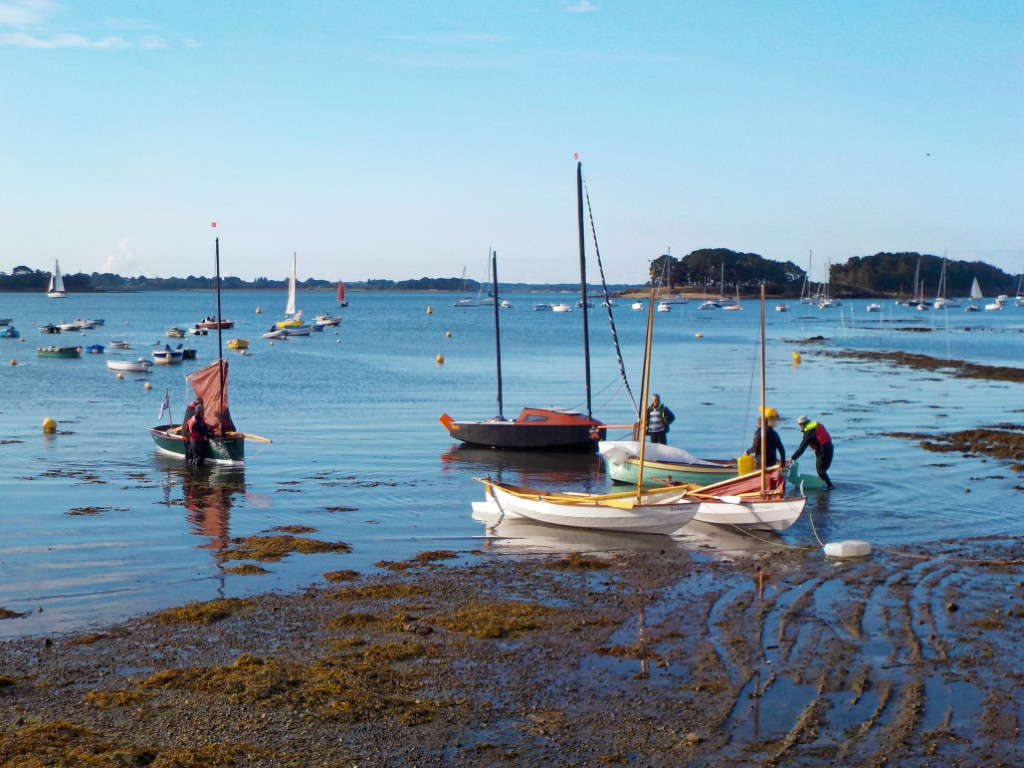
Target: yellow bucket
[745,464]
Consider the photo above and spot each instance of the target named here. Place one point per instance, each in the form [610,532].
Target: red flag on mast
[213,224]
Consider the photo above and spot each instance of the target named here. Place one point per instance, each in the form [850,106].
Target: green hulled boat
[663,465]
[52,351]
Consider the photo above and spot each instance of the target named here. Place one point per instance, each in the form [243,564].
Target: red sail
[211,384]
[341,291]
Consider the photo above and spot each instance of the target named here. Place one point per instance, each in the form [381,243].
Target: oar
[250,437]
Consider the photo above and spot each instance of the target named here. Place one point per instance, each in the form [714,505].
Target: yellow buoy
[259,311]
[13,361]
[429,311]
[699,336]
[147,385]
[120,375]
[796,358]
[440,358]
[49,425]
[448,334]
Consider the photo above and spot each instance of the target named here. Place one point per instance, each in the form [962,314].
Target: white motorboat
[561,308]
[167,356]
[142,365]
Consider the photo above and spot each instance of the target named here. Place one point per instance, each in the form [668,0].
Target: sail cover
[211,384]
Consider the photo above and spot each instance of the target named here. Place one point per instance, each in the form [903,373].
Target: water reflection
[208,495]
[577,471]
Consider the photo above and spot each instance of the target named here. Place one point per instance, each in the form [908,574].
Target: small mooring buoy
[13,361]
[259,311]
[848,548]
[271,342]
[49,425]
[430,311]
[147,385]
[120,375]
[448,334]
[440,358]
[699,336]
[796,358]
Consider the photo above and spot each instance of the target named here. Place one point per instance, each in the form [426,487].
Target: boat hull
[59,351]
[535,429]
[769,515]
[227,450]
[666,516]
[661,467]
[130,366]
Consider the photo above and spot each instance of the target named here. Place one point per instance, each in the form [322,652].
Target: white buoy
[120,375]
[849,548]
[147,385]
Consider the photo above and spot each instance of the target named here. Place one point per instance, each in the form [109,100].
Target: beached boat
[741,502]
[142,365]
[660,511]
[225,445]
[168,356]
[237,343]
[549,428]
[52,351]
[663,465]
[56,288]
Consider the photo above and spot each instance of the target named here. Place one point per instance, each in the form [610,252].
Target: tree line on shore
[705,270]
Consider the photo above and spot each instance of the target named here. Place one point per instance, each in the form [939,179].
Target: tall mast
[583,282]
[497,331]
[216,285]
[764,413]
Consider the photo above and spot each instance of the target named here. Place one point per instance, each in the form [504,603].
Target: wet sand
[657,658]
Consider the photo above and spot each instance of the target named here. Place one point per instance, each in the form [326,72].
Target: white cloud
[22,14]
[583,6]
[152,43]
[188,42]
[25,40]
[123,261]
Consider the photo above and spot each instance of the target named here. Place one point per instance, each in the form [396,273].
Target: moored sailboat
[549,428]
[292,316]
[56,288]
[342,301]
[224,445]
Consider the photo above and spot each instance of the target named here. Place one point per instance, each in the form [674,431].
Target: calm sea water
[96,526]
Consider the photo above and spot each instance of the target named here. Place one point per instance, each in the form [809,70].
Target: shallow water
[96,526]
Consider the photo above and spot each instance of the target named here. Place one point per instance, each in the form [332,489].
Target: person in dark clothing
[197,436]
[190,409]
[774,450]
[817,438]
[659,417]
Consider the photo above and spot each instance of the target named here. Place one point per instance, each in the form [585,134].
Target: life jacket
[193,431]
[821,435]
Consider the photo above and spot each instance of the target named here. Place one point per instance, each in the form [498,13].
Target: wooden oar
[250,437]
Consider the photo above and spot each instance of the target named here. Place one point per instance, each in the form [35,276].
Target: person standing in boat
[659,417]
[817,438]
[774,450]
[198,436]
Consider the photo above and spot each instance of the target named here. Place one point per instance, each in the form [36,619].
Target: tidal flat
[653,658]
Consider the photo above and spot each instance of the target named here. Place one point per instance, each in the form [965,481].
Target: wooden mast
[497,331]
[583,283]
[644,390]
[764,413]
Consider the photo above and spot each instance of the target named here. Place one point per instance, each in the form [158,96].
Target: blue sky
[404,139]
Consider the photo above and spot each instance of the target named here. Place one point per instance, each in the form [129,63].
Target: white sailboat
[292,317]
[941,300]
[56,289]
[975,296]
[1019,299]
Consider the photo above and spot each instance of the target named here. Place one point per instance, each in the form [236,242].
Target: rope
[607,299]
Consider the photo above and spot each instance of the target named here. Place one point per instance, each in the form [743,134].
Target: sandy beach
[653,659]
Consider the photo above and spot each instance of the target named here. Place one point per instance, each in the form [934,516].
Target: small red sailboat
[341,295]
